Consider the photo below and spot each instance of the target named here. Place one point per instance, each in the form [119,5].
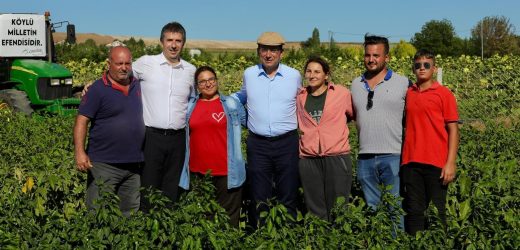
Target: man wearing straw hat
[269,89]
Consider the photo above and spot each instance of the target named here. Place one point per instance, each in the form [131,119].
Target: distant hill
[199,44]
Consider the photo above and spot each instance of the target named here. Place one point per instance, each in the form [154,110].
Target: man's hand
[85,88]
[448,173]
[80,133]
[83,162]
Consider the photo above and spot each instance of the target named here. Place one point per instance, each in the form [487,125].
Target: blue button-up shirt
[271,102]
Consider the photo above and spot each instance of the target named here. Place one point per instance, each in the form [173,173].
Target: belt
[163,131]
[274,138]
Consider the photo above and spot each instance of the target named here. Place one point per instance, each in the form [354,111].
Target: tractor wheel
[16,100]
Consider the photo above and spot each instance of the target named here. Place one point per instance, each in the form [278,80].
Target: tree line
[490,36]
[493,35]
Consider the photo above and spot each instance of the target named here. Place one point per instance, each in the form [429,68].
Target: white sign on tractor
[22,35]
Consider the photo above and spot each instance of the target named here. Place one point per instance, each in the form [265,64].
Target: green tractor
[30,78]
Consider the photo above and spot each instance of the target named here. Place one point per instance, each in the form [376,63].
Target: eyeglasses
[370,103]
[211,81]
[418,65]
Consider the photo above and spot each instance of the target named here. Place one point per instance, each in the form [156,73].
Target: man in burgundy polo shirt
[114,154]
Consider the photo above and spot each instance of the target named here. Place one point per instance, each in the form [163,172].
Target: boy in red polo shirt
[430,144]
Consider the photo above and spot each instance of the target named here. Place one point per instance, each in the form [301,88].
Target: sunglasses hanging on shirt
[370,102]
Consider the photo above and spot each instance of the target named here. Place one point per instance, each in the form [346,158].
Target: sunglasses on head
[418,65]
[370,102]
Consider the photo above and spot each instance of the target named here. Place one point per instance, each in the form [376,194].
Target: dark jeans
[164,151]
[272,172]
[229,199]
[324,179]
[421,184]
[122,179]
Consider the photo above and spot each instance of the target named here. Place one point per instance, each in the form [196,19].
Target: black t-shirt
[314,105]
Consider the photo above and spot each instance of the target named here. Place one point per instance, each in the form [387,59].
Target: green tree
[438,36]
[498,35]
[75,52]
[462,46]
[403,50]
[312,42]
[136,46]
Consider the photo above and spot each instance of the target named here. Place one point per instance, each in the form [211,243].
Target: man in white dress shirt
[167,83]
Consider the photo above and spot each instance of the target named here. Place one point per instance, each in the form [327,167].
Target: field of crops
[42,195]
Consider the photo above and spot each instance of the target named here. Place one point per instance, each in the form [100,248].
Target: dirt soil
[202,44]
[199,44]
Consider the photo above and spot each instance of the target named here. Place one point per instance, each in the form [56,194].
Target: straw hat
[270,39]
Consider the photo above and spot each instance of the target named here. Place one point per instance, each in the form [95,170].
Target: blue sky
[245,20]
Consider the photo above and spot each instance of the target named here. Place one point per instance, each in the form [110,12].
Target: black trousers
[422,185]
[164,152]
[272,171]
[324,179]
[229,199]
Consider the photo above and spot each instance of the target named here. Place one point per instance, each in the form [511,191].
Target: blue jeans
[374,170]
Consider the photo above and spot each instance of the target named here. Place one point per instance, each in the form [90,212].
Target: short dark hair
[373,40]
[173,27]
[317,59]
[424,53]
[202,69]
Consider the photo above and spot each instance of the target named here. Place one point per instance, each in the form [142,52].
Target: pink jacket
[330,136]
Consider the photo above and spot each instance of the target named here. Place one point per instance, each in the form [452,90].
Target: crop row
[42,201]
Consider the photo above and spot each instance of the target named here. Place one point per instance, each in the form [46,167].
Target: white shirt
[165,90]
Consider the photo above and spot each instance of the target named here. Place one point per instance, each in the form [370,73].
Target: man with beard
[168,82]
[114,155]
[378,98]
